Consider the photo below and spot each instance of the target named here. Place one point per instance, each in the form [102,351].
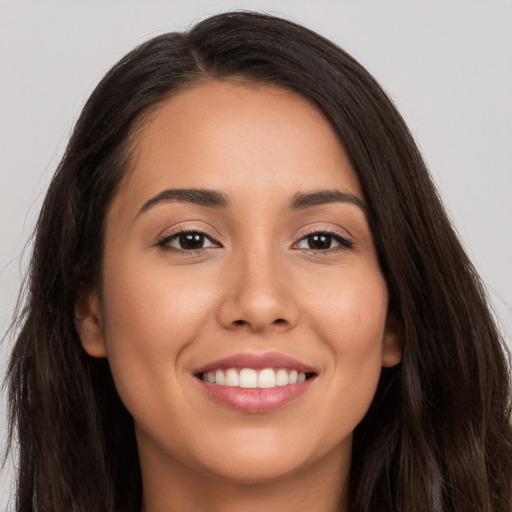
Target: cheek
[153,305]
[350,317]
[151,316]
[352,305]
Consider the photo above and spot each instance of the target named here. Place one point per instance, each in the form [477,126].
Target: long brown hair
[437,436]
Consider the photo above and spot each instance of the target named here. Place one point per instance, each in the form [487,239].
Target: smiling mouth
[250,378]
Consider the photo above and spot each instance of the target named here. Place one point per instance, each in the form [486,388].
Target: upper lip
[257,362]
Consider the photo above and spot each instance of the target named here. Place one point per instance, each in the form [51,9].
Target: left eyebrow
[199,196]
[301,201]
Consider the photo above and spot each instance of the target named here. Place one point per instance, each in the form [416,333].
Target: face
[238,252]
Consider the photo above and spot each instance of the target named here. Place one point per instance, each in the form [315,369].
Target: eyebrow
[199,196]
[216,199]
[301,201]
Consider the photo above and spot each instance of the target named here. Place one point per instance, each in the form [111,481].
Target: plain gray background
[447,66]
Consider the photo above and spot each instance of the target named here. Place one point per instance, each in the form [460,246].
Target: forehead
[244,138]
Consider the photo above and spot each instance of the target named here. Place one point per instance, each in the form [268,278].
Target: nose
[258,295]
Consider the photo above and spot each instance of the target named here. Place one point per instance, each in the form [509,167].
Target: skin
[257,287]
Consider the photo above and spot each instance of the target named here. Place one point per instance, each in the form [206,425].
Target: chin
[252,470]
[259,459]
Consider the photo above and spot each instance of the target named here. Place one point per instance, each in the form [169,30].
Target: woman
[246,295]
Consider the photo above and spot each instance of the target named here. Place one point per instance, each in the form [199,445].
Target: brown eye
[191,240]
[319,242]
[323,242]
[187,241]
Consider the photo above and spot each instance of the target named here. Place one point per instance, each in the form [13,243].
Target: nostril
[258,322]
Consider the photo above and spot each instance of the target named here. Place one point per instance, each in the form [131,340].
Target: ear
[391,343]
[89,323]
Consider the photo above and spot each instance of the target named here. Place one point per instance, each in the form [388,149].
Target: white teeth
[248,378]
[267,378]
[231,378]
[219,377]
[252,379]
[282,377]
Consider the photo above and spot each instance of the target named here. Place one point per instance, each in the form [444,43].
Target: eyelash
[344,243]
[164,242]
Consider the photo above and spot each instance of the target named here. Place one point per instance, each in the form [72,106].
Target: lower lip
[256,399]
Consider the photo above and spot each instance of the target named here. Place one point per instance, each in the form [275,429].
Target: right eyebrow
[199,196]
[301,200]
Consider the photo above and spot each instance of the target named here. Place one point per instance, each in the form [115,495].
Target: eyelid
[345,241]
[187,228]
